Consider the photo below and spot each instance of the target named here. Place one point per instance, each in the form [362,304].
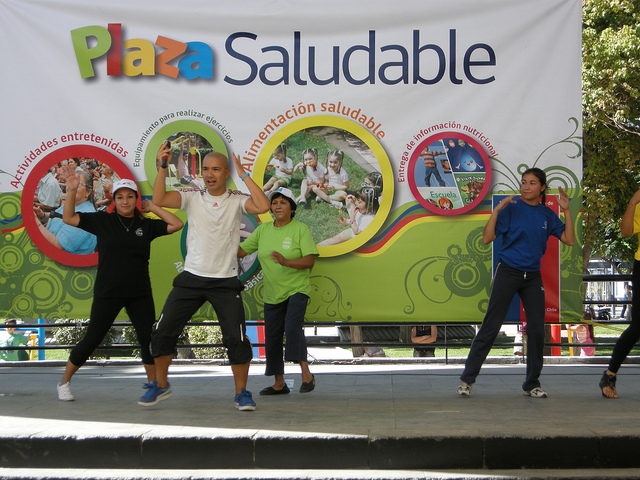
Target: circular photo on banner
[340,175]
[449,173]
[190,141]
[44,196]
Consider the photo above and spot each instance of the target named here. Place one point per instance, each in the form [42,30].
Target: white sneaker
[535,393]
[64,392]
[318,200]
[464,390]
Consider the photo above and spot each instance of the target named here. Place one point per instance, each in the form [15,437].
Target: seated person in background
[66,237]
[8,338]
[48,194]
[583,334]
[424,334]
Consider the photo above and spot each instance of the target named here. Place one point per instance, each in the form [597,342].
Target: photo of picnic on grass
[335,178]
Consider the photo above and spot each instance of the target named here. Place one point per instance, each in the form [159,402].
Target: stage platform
[363,417]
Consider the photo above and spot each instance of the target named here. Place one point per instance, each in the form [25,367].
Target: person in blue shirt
[525,224]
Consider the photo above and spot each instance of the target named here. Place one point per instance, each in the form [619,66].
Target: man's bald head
[217,156]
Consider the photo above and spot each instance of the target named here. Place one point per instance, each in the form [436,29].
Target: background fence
[396,335]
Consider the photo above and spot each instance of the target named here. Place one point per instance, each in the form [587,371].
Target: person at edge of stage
[629,225]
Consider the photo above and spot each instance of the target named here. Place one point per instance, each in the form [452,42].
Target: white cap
[124,183]
[285,192]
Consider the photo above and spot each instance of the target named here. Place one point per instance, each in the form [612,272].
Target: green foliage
[72,335]
[207,334]
[193,334]
[611,103]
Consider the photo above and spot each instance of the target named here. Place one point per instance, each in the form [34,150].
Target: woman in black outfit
[122,281]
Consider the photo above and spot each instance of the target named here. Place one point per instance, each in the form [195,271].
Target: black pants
[285,319]
[507,282]
[104,310]
[632,333]
[189,293]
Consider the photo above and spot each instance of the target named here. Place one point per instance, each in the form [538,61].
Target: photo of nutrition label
[449,173]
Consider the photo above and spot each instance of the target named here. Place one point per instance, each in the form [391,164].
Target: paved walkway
[377,416]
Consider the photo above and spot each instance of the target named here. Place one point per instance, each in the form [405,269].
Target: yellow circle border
[376,148]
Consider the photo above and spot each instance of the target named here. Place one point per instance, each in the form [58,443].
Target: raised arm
[258,203]
[161,197]
[489,232]
[568,236]
[69,215]
[626,224]
[173,222]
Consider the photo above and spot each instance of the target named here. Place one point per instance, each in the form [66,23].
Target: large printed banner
[420,111]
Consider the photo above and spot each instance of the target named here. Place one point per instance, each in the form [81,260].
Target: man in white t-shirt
[211,270]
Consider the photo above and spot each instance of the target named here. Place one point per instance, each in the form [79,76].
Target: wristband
[245,175]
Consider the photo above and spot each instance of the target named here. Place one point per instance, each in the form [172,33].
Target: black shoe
[307,387]
[608,381]
[272,391]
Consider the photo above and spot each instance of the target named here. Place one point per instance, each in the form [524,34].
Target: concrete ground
[377,419]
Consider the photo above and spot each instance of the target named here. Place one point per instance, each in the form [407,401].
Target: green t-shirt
[293,241]
[13,340]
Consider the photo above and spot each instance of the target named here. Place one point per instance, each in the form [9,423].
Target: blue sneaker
[154,394]
[244,401]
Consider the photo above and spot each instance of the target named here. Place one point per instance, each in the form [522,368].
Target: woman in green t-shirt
[287,253]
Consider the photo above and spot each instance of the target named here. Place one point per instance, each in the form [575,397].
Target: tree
[611,105]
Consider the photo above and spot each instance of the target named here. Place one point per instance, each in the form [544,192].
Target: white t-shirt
[288,164]
[213,232]
[362,220]
[316,176]
[337,179]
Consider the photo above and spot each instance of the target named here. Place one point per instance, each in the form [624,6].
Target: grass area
[321,218]
[61,354]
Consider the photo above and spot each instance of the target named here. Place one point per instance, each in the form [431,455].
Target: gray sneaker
[535,393]
[464,390]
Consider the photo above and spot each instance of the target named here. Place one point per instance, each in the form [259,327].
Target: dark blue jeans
[507,282]
[432,171]
[286,318]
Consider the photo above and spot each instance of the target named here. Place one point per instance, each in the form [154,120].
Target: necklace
[124,226]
